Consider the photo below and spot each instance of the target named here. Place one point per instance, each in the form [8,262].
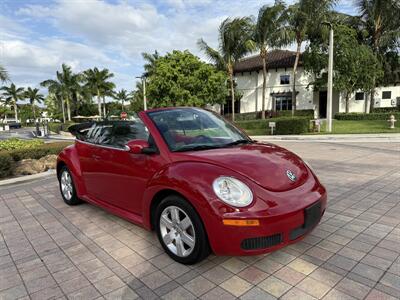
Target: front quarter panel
[70,157]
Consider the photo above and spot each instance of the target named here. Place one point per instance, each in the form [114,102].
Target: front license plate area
[312,215]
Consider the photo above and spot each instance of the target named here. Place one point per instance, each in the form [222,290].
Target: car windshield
[188,129]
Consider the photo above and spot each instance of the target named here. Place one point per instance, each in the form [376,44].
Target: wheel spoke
[168,238]
[165,221]
[185,223]
[179,246]
[175,214]
[187,239]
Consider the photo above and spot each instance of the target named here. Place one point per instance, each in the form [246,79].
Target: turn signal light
[233,222]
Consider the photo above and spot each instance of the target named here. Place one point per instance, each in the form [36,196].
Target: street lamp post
[143,78]
[330,78]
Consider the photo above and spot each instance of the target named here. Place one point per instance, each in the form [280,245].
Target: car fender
[69,156]
[192,180]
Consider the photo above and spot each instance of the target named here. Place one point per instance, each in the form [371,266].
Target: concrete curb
[328,137]
[26,178]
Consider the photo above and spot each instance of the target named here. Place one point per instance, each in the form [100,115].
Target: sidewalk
[376,137]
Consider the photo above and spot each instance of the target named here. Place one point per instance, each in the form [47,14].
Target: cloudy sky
[37,36]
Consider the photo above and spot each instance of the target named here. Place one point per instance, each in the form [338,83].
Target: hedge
[295,125]
[272,114]
[15,143]
[57,127]
[364,116]
[9,157]
[386,109]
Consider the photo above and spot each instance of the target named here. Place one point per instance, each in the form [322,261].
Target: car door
[123,176]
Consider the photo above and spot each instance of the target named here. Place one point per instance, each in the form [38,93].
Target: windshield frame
[242,136]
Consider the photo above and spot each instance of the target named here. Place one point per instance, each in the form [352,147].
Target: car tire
[67,187]
[184,240]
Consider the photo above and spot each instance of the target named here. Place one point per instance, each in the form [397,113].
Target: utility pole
[330,78]
[143,78]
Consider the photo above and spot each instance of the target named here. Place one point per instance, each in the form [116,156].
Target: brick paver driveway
[50,250]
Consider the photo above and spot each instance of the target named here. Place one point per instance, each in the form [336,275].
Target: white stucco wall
[250,85]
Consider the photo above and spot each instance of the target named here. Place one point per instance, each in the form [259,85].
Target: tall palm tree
[56,90]
[34,97]
[150,64]
[234,43]
[12,95]
[304,17]
[65,82]
[123,96]
[381,21]
[3,74]
[97,82]
[269,32]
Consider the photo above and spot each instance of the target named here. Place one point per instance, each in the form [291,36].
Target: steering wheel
[202,139]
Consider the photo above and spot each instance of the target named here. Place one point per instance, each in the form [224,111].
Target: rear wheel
[67,187]
[180,231]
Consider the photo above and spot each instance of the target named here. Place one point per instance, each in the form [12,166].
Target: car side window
[125,131]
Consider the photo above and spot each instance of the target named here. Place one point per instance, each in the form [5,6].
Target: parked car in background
[201,183]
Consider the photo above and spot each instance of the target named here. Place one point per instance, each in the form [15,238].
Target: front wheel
[180,231]
[67,187]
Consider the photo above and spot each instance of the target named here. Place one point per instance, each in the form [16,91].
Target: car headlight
[232,191]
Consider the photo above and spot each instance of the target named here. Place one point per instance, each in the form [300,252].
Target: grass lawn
[346,127]
[360,126]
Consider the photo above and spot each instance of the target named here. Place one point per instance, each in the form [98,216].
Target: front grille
[261,242]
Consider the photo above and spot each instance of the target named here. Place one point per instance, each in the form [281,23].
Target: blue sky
[37,36]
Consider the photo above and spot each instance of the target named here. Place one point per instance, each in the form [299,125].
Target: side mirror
[140,147]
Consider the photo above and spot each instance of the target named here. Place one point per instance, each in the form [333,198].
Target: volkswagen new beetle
[198,181]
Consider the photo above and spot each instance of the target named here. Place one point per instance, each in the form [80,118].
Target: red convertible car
[202,184]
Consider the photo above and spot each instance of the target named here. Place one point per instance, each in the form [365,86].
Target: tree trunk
[347,102]
[264,85]
[68,110]
[296,62]
[122,105]
[99,103]
[15,110]
[63,109]
[33,110]
[372,100]
[232,93]
[104,106]
[366,104]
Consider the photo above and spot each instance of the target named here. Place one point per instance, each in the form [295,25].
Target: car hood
[268,165]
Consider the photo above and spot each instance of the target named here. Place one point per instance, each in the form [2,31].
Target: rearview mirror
[140,147]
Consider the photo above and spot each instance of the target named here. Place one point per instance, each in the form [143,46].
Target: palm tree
[304,17]
[381,21]
[33,97]
[3,74]
[269,32]
[64,84]
[56,89]
[150,64]
[97,82]
[123,96]
[234,43]
[12,95]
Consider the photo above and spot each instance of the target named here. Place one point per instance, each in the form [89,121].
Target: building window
[359,96]
[387,95]
[283,103]
[285,79]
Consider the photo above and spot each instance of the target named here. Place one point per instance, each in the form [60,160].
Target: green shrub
[39,151]
[364,116]
[295,125]
[385,109]
[57,127]
[272,114]
[14,143]
[6,164]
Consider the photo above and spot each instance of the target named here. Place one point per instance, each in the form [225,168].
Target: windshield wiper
[238,142]
[199,147]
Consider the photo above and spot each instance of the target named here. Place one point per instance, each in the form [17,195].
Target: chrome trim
[125,149]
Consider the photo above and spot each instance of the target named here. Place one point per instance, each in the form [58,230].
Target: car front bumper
[278,227]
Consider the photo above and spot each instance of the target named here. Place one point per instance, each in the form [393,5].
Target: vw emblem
[290,175]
